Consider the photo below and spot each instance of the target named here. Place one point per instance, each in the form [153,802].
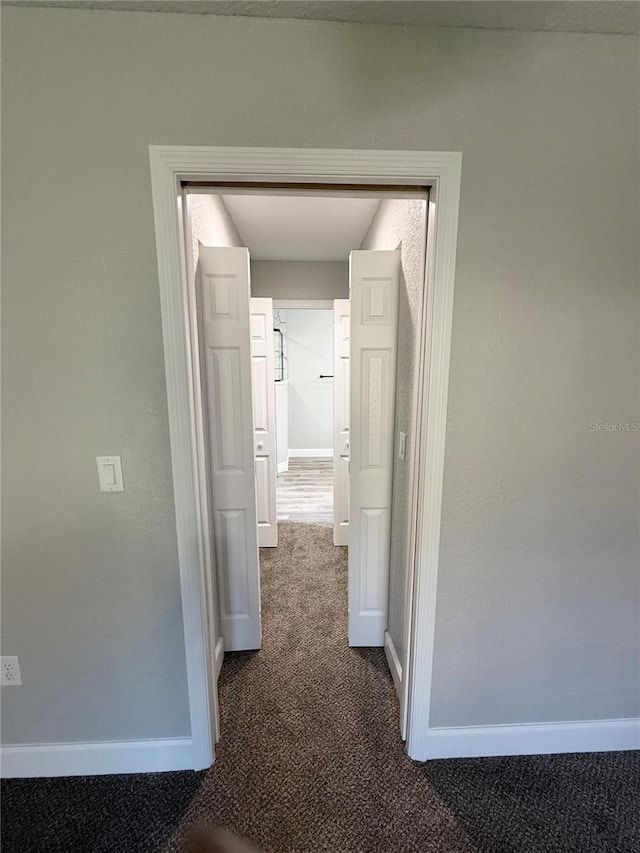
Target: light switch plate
[402,445]
[110,473]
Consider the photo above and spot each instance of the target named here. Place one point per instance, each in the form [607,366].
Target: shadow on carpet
[578,803]
[94,814]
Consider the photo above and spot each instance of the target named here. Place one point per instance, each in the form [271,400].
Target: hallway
[310,757]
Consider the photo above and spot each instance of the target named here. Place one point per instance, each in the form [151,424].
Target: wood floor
[305,491]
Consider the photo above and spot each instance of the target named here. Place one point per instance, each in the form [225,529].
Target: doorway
[439,171]
[238,386]
[304,413]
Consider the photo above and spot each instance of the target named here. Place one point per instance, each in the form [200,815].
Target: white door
[374,278]
[264,419]
[223,280]
[341,322]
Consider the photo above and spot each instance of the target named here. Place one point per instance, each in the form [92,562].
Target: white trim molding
[393,661]
[441,172]
[311,453]
[283,466]
[218,658]
[303,304]
[91,759]
[531,739]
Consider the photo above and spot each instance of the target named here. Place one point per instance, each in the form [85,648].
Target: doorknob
[260,445]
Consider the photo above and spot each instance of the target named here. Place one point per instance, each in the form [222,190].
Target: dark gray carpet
[583,803]
[310,758]
[94,813]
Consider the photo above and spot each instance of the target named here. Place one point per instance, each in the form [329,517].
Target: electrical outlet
[10,671]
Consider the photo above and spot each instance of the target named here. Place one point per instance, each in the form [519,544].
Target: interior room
[497,708]
[304,414]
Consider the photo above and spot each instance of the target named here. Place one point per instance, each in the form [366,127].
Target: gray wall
[538,592]
[402,224]
[310,353]
[300,279]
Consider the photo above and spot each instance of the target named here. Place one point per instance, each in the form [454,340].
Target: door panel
[341,406]
[264,419]
[374,283]
[223,282]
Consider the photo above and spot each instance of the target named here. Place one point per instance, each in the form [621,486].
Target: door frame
[303,304]
[441,172]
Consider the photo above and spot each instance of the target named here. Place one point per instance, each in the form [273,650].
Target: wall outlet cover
[10,671]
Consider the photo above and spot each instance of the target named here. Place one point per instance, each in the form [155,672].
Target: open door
[264,419]
[341,406]
[223,280]
[374,278]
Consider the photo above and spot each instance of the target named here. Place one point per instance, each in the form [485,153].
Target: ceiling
[301,228]
[591,16]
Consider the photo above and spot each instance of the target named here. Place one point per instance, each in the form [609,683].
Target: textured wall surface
[402,224]
[300,279]
[211,223]
[310,353]
[537,608]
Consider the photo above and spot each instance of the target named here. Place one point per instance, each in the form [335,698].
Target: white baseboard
[283,466]
[218,657]
[321,452]
[528,739]
[94,759]
[394,662]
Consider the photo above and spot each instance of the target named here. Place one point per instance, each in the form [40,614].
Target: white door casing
[264,419]
[170,165]
[374,278]
[341,411]
[223,279]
